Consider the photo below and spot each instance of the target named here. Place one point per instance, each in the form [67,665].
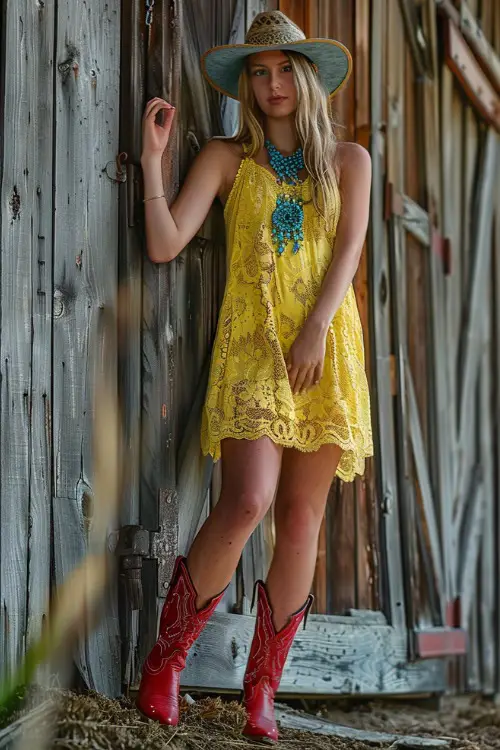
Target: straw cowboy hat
[273,30]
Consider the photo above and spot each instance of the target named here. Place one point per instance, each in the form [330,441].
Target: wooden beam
[415,37]
[496,412]
[87,87]
[298,720]
[485,592]
[476,85]
[428,506]
[29,730]
[470,549]
[416,221]
[485,53]
[194,469]
[332,656]
[472,335]
[391,572]
[26,294]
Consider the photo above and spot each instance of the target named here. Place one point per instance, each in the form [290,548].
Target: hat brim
[222,65]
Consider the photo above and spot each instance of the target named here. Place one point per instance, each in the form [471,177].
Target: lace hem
[351,464]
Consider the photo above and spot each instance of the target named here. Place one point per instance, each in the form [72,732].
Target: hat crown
[273,27]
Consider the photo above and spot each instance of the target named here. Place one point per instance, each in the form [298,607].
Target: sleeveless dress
[266,301]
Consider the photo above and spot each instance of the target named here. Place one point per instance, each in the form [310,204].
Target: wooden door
[440,260]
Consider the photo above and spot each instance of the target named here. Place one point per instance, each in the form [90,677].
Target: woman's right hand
[154,136]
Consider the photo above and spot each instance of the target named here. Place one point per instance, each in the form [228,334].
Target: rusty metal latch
[116,169]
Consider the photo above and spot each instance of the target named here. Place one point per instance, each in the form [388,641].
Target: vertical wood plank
[320,582]
[337,21]
[471,337]
[341,569]
[439,432]
[396,166]
[132,96]
[159,319]
[132,100]
[295,10]
[26,303]
[453,210]
[496,401]
[486,587]
[85,280]
[392,582]
[366,516]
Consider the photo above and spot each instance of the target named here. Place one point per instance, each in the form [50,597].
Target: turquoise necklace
[288,216]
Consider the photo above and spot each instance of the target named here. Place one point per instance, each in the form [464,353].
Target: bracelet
[153,198]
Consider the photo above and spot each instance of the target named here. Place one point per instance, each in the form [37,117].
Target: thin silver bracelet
[153,198]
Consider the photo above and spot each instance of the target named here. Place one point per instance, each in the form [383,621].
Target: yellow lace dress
[266,301]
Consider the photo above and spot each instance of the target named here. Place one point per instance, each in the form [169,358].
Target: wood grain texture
[26,303]
[365,493]
[429,522]
[290,719]
[159,316]
[496,401]
[391,574]
[341,545]
[416,221]
[438,433]
[85,280]
[132,94]
[486,588]
[329,657]
[453,209]
[472,333]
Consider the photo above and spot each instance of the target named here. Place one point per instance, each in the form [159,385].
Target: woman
[287,405]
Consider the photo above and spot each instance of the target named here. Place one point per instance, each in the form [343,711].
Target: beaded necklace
[288,216]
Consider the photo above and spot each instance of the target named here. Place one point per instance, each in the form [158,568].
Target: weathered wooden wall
[59,246]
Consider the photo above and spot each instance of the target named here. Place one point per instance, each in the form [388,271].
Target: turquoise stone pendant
[288,220]
[288,216]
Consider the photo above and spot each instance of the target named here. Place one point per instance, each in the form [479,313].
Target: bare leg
[250,472]
[300,505]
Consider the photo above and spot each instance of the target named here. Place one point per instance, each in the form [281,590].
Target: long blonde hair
[315,128]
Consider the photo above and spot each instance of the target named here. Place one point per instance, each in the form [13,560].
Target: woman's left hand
[306,359]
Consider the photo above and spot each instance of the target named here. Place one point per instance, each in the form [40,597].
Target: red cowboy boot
[266,662]
[180,625]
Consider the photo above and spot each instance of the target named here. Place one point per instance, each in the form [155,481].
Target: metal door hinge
[132,547]
[133,544]
[165,542]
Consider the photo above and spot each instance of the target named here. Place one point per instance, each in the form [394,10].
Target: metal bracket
[133,544]
[164,543]
[132,547]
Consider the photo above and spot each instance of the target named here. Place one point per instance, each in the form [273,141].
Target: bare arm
[168,230]
[306,357]
[355,184]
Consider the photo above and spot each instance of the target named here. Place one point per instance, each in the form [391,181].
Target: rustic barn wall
[28,124]
[59,245]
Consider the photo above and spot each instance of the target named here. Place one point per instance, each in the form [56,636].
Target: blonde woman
[287,406]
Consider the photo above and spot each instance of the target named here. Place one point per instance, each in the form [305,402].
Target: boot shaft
[270,648]
[181,622]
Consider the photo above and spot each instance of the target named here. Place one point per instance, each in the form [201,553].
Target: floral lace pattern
[266,301]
